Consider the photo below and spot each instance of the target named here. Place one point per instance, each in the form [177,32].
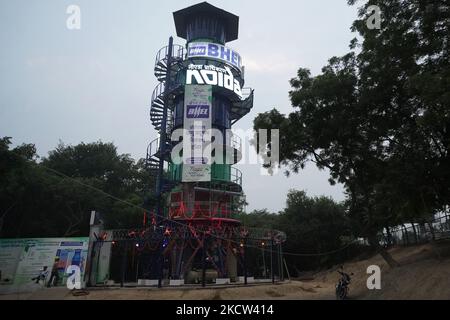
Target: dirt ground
[424,273]
[287,290]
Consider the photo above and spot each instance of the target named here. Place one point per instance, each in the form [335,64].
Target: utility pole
[280,261]
[264,260]
[271,259]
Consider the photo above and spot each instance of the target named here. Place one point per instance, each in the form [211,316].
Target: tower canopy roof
[182,17]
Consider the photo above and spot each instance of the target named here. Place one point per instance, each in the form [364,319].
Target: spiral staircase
[159,101]
[153,159]
[162,98]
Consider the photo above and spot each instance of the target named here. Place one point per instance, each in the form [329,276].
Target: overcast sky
[96,83]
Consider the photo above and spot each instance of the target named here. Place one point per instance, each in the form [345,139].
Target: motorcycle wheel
[341,293]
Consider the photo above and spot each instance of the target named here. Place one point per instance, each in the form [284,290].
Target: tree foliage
[54,197]
[314,225]
[378,117]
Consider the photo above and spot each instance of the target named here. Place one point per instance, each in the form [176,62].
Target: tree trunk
[373,241]
[415,233]
[430,225]
[447,220]
[422,229]
[389,236]
[388,258]
[406,234]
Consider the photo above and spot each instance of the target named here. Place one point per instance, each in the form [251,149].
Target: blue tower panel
[221,108]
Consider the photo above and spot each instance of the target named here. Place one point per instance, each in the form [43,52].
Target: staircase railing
[178,52]
[236,176]
[158,91]
[152,147]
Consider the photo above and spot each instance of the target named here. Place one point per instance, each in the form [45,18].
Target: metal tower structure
[201,87]
[192,234]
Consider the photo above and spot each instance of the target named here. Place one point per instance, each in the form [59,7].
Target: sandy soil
[287,290]
[424,273]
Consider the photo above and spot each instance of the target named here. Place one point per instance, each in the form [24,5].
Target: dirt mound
[424,273]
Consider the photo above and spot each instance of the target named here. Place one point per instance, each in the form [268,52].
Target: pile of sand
[424,273]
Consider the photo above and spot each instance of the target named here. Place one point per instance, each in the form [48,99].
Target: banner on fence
[28,264]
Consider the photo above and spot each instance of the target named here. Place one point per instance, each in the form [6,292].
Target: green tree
[313,225]
[99,165]
[54,197]
[377,118]
[258,219]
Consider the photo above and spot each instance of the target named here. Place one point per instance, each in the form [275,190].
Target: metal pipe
[124,261]
[271,260]
[203,261]
[264,262]
[161,260]
[245,260]
[281,262]
[287,270]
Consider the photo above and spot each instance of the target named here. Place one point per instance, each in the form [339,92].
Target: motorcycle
[342,288]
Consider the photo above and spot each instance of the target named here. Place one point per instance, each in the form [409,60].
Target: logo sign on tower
[214,51]
[197,123]
[198,111]
[212,75]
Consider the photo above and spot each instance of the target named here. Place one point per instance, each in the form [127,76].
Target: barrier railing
[415,233]
[178,51]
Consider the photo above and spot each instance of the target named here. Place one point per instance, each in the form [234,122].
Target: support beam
[161,260]
[204,261]
[124,263]
[271,260]
[245,260]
